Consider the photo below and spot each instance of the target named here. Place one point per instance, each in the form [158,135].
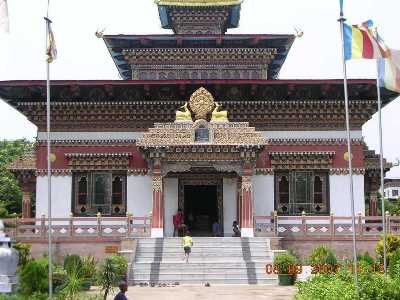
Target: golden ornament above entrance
[202,104]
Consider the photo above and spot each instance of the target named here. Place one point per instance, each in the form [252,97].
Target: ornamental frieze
[345,171]
[98,161]
[297,160]
[199,55]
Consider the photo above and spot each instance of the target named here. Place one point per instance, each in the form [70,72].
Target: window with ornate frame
[103,192]
[298,191]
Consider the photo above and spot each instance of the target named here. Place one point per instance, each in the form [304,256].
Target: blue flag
[341,7]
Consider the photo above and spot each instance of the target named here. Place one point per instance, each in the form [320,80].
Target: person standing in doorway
[216,228]
[177,220]
[187,242]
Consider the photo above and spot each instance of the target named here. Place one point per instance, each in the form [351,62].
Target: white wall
[73,136]
[329,134]
[61,193]
[263,192]
[229,204]
[170,204]
[340,201]
[139,199]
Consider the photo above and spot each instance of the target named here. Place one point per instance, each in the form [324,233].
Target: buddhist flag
[51,51]
[389,71]
[4,22]
[360,43]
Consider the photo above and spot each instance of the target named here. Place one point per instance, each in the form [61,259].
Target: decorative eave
[98,161]
[198,3]
[372,163]
[392,182]
[89,143]
[294,160]
[119,45]
[318,141]
[24,167]
[345,171]
[26,162]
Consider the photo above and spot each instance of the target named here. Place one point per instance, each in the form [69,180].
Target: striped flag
[4,22]
[341,7]
[389,71]
[51,51]
[360,43]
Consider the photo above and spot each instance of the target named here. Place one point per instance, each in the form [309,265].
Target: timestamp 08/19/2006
[293,269]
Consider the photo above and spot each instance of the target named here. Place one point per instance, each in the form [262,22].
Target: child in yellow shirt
[187,242]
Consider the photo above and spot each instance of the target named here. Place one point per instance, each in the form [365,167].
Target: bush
[392,244]
[327,287]
[394,266]
[341,286]
[110,273]
[34,277]
[71,262]
[24,253]
[284,261]
[89,268]
[366,258]
[323,255]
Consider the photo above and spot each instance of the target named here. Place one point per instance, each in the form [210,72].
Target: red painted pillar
[246,207]
[157,224]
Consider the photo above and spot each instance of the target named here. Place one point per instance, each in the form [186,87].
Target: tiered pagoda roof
[244,49]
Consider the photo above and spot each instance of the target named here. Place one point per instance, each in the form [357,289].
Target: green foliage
[71,262]
[284,261]
[24,253]
[392,244]
[75,279]
[341,286]
[60,278]
[111,271]
[34,277]
[323,255]
[89,268]
[394,266]
[327,287]
[366,258]
[10,192]
[34,296]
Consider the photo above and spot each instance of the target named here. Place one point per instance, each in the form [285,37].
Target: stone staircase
[217,260]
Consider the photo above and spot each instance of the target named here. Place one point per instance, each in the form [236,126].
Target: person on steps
[187,242]
[236,229]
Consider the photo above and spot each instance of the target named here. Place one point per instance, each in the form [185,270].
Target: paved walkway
[215,292]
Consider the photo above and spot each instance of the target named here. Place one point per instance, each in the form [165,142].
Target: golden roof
[198,2]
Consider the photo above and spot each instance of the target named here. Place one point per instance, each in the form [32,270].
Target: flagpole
[346,102]
[49,163]
[378,91]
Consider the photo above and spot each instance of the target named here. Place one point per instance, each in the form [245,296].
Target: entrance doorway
[200,208]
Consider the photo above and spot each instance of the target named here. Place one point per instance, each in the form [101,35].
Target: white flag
[4,23]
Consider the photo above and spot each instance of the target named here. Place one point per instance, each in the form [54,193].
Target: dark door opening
[200,208]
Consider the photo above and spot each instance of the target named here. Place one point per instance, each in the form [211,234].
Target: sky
[317,55]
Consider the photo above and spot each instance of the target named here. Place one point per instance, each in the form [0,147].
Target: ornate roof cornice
[318,141]
[90,142]
[198,3]
[345,171]
[299,160]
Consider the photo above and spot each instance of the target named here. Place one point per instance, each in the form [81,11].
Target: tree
[10,192]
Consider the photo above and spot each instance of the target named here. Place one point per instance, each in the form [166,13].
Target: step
[215,280]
